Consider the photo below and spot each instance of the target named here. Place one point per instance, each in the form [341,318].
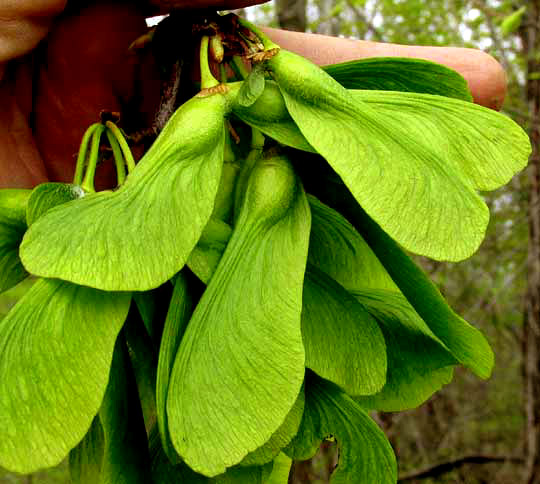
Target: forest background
[471,432]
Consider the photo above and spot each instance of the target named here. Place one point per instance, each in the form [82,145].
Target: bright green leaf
[252,87]
[512,22]
[418,363]
[337,249]
[281,470]
[164,472]
[270,116]
[419,198]
[343,342]
[115,451]
[240,365]
[146,305]
[209,249]
[486,147]
[365,455]
[280,438]
[181,307]
[56,347]
[400,74]
[49,195]
[466,343]
[139,236]
[143,356]
[12,227]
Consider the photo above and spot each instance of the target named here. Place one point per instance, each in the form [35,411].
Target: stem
[223,74]
[118,158]
[208,80]
[257,139]
[126,151]
[257,145]
[228,155]
[240,66]
[237,74]
[83,152]
[266,42]
[88,181]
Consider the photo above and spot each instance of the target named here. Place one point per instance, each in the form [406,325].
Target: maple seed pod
[178,176]
[269,106]
[269,114]
[271,189]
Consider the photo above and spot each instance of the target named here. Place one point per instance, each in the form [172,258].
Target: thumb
[23,24]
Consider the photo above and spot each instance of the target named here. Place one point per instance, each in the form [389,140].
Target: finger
[23,23]
[21,165]
[86,68]
[484,75]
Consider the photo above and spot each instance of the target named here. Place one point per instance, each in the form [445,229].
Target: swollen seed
[269,115]
[271,188]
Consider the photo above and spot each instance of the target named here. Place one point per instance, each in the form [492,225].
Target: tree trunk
[327,26]
[530,36]
[291,14]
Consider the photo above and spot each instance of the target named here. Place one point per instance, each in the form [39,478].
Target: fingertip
[486,78]
[484,75]
[24,23]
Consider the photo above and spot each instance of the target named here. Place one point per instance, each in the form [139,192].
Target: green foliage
[365,454]
[336,248]
[464,341]
[280,471]
[419,364]
[162,209]
[512,22]
[180,310]
[56,349]
[483,145]
[280,438]
[257,319]
[12,227]
[329,118]
[334,327]
[252,88]
[400,74]
[49,195]
[312,313]
[115,449]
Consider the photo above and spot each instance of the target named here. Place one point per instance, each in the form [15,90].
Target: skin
[51,94]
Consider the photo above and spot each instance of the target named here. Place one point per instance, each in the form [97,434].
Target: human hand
[49,98]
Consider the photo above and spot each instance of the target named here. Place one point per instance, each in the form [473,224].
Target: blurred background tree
[472,431]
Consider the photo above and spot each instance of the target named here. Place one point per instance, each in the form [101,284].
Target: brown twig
[445,467]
